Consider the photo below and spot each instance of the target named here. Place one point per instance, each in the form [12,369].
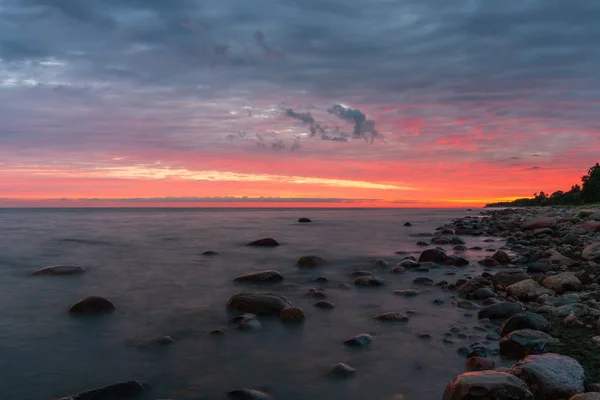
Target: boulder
[304,220]
[291,315]
[527,290]
[484,293]
[502,257]
[539,268]
[92,305]
[456,261]
[591,226]
[489,385]
[488,262]
[502,310]
[392,317]
[266,242]
[572,321]
[122,390]
[551,376]
[525,320]
[578,309]
[508,278]
[60,270]
[248,394]
[586,396]
[592,252]
[268,276]
[522,342]
[259,303]
[541,222]
[409,264]
[554,257]
[311,262]
[433,255]
[470,286]
[479,364]
[369,281]
[563,282]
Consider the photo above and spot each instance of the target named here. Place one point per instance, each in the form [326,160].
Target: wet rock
[392,317]
[479,364]
[398,270]
[569,238]
[266,242]
[259,303]
[525,320]
[541,222]
[291,315]
[580,310]
[539,267]
[522,342]
[591,252]
[268,276]
[488,385]
[438,302]
[342,370]
[381,264]
[422,243]
[362,340]
[441,240]
[154,341]
[507,278]
[501,257]
[469,286]
[484,293]
[528,290]
[407,224]
[460,247]
[216,333]
[492,336]
[501,310]
[248,394]
[423,281]
[456,261]
[316,293]
[554,257]
[361,273]
[433,255]
[210,253]
[563,282]
[344,286]
[311,262]
[246,322]
[551,376]
[324,304]
[467,305]
[118,391]
[59,270]
[488,262]
[572,321]
[409,264]
[407,292]
[369,281]
[423,335]
[543,231]
[322,279]
[304,220]
[92,305]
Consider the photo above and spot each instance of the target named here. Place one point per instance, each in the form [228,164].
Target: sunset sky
[305,102]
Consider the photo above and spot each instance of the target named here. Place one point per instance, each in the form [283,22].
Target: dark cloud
[535,167]
[362,126]
[306,118]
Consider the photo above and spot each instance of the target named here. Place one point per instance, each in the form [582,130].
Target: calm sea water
[149,263]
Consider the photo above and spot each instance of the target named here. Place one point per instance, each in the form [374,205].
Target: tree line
[586,193]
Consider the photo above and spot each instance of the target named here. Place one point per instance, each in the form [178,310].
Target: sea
[149,263]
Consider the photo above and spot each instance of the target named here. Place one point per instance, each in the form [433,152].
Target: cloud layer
[471,100]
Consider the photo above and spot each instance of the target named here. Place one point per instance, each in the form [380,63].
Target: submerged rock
[484,293]
[369,281]
[525,320]
[154,341]
[362,340]
[118,391]
[501,257]
[488,385]
[246,322]
[259,303]
[341,370]
[488,262]
[268,276]
[292,315]
[392,317]
[248,394]
[59,270]
[266,242]
[92,305]
[311,262]
[522,342]
[407,292]
[381,264]
[551,376]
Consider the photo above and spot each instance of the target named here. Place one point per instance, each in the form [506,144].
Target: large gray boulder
[259,303]
[563,282]
[551,376]
[525,320]
[488,385]
[502,310]
[528,290]
[522,342]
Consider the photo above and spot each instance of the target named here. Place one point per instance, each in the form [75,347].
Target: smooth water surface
[149,263]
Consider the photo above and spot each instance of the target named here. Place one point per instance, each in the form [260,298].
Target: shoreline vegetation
[587,194]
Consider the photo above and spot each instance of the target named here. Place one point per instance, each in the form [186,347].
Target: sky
[344,103]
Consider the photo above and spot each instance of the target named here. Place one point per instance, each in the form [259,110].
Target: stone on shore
[433,255]
[479,364]
[522,342]
[508,278]
[268,276]
[502,257]
[488,385]
[409,264]
[591,252]
[248,394]
[501,310]
[266,242]
[563,282]
[484,293]
[311,262]
[528,290]
[578,309]
[92,305]
[525,320]
[59,270]
[259,303]
[540,222]
[551,376]
[122,390]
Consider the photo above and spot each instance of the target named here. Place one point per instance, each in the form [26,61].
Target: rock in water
[155,341]
[341,370]
[268,276]
[488,262]
[92,305]
[392,317]
[407,224]
[266,242]
[537,223]
[489,385]
[433,255]
[525,320]
[310,262]
[304,220]
[507,278]
[246,322]
[479,364]
[484,293]
[501,310]
[362,340]
[324,304]
[248,394]
[551,376]
[118,391]
[522,342]
[259,303]
[292,315]
[501,257]
[369,281]
[60,270]
[381,264]
[210,253]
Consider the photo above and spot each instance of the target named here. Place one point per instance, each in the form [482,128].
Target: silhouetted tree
[590,191]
